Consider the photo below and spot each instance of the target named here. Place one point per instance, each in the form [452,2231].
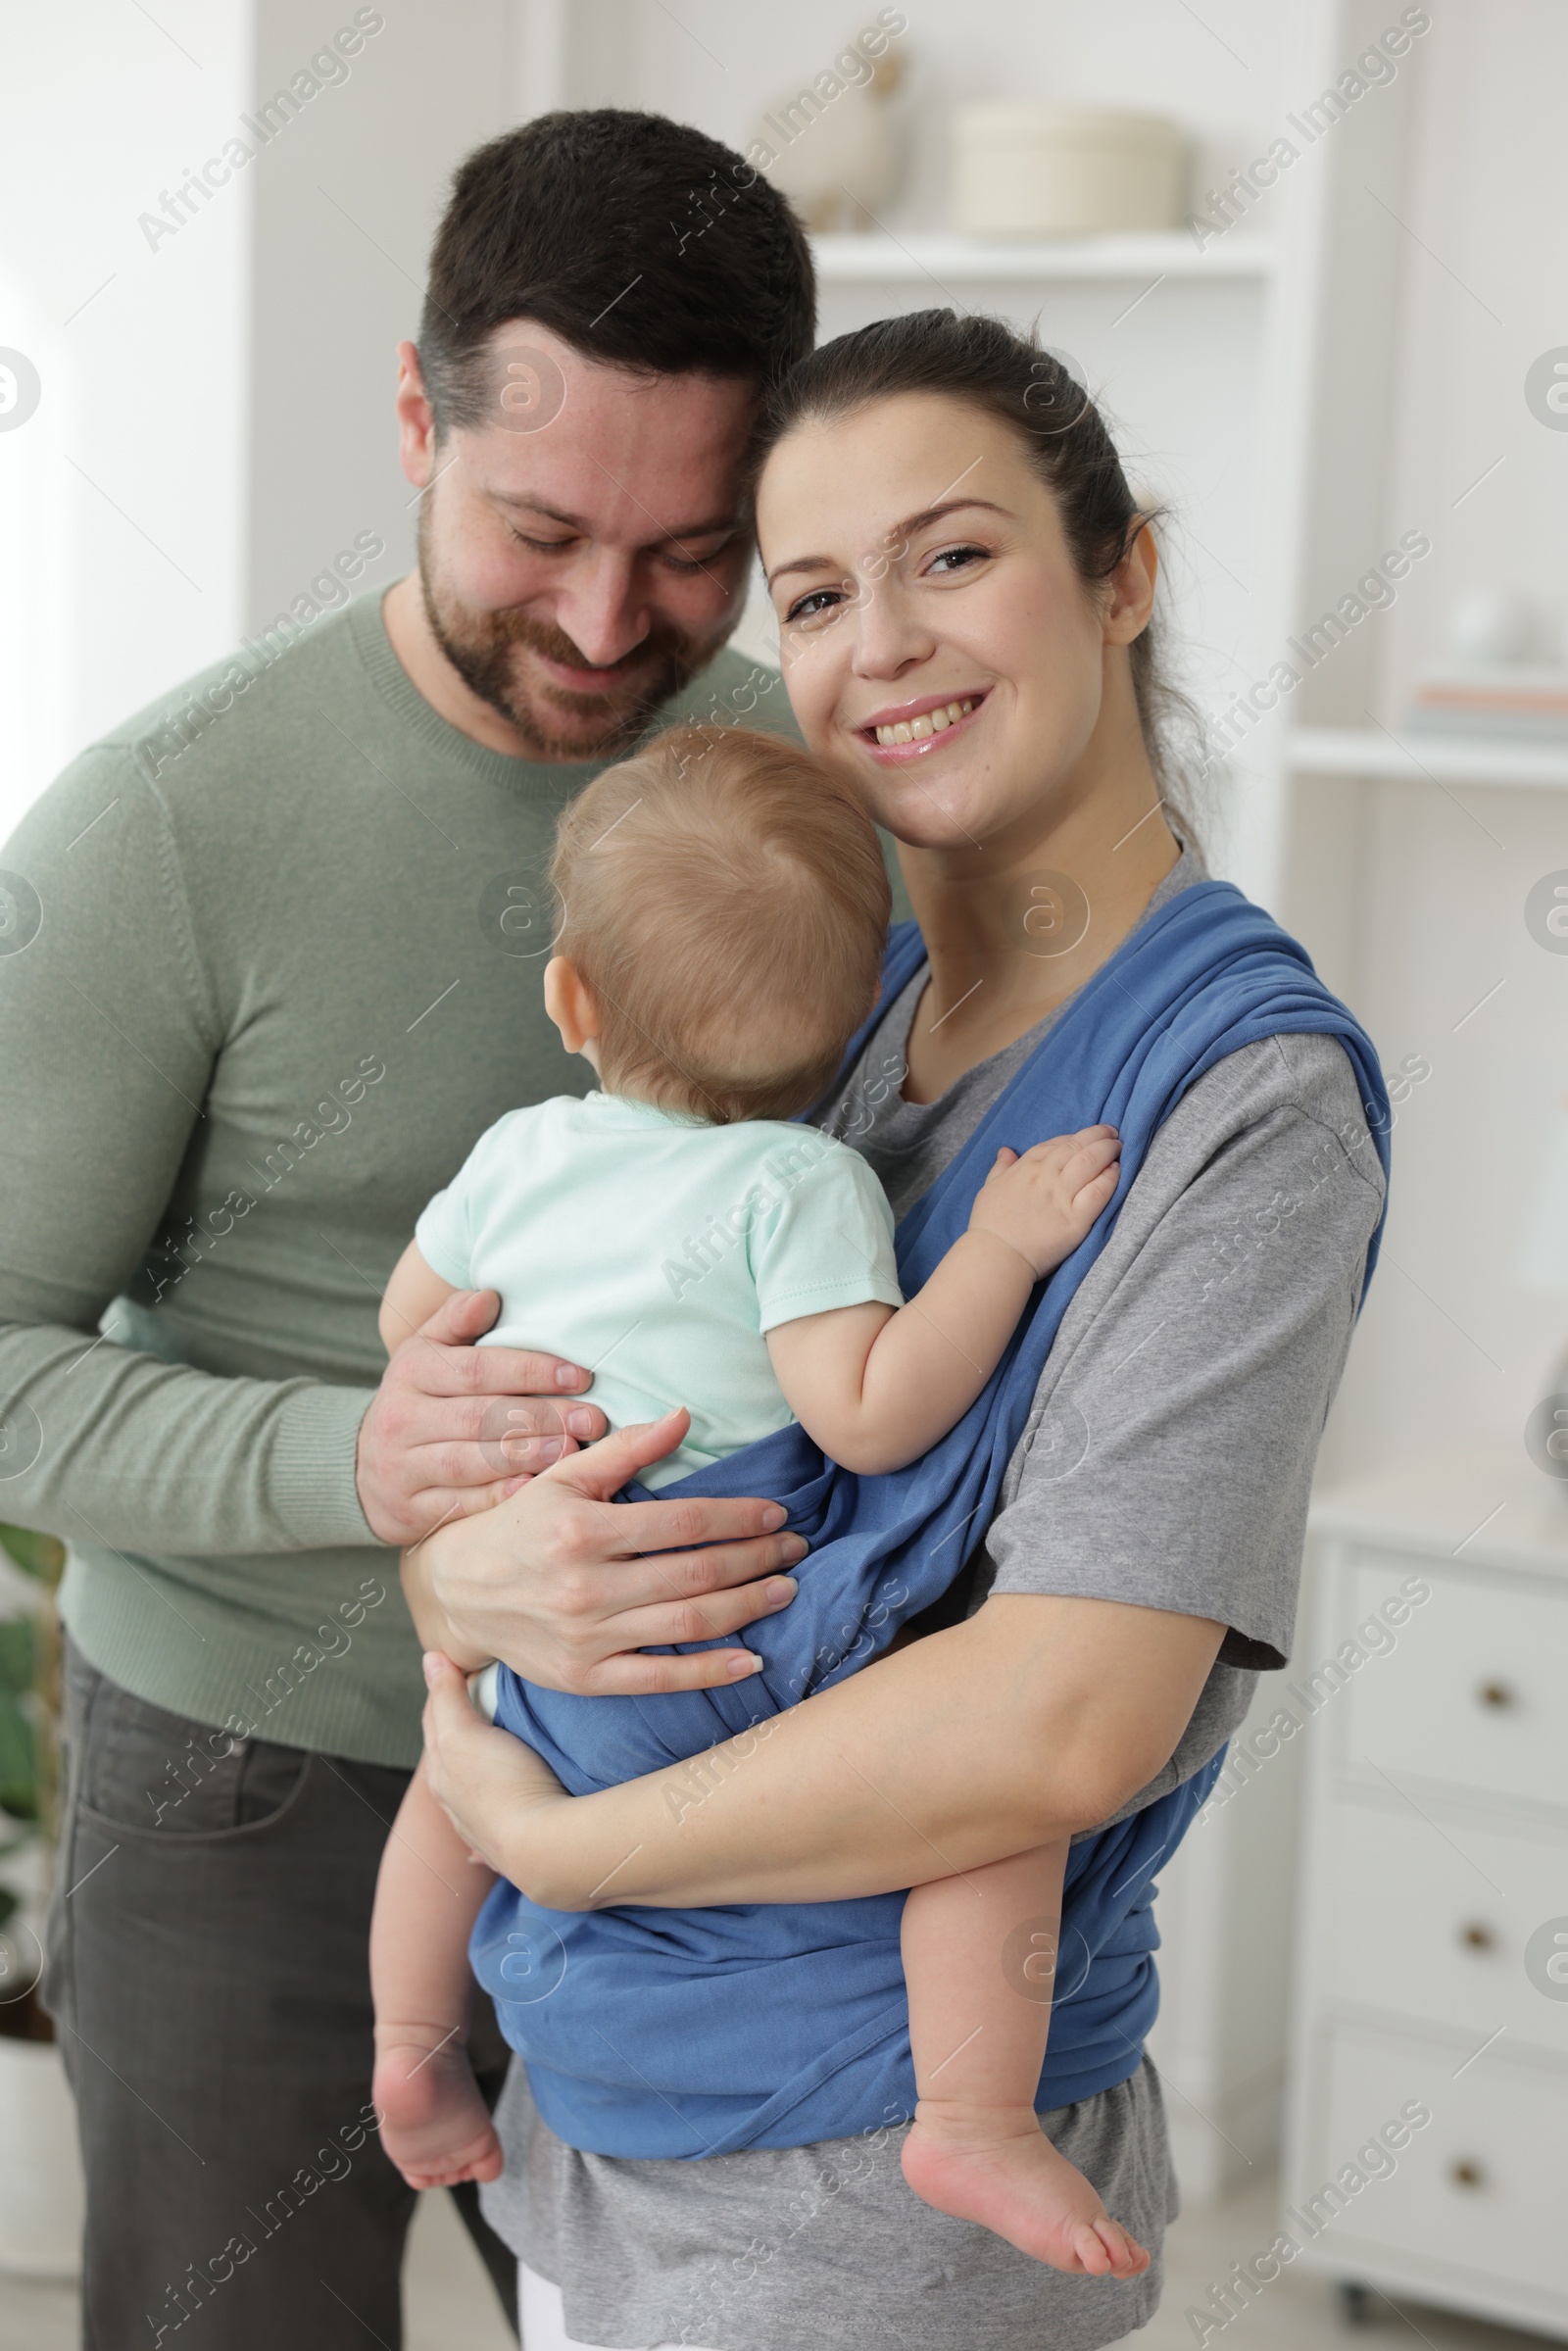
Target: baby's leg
[979,1961]
[435,2125]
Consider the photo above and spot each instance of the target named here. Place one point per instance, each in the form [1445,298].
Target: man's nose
[602,608]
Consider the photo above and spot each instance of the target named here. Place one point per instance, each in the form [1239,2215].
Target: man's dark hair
[593,223]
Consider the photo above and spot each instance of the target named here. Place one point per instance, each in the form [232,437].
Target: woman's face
[938,644]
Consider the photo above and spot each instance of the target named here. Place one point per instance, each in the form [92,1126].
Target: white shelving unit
[1374,755]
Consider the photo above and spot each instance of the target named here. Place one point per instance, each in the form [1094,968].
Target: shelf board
[1446,758]
[881,259]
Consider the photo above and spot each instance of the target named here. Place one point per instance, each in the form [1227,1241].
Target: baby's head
[722,914]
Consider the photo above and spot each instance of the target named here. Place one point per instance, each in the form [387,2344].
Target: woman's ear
[570,1004]
[1132,590]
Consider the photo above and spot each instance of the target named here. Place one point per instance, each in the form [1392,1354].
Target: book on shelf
[1517,704]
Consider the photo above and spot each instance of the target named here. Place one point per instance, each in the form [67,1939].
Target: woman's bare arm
[1040,1716]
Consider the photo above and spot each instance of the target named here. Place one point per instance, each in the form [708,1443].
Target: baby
[724,911]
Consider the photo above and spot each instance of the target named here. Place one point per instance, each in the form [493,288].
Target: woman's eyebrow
[895,531]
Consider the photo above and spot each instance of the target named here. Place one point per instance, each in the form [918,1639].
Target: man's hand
[456,1428]
[566,1585]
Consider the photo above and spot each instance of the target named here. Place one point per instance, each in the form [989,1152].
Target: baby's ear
[570,1004]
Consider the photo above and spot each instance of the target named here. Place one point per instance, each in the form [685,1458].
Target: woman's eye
[959,557]
[814,604]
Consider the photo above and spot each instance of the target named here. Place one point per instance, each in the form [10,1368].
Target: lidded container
[1030,171]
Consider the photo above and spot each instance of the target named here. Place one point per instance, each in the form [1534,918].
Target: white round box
[1066,172]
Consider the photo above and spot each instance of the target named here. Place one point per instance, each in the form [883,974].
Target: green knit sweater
[269,963]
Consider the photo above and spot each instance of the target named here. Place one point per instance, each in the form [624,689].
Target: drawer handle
[1495,1694]
[1467,2173]
[1476,1936]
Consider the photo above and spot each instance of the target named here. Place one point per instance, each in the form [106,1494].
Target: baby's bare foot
[435,2125]
[997,2166]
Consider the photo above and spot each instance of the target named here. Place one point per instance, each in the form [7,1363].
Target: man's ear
[570,1004]
[415,418]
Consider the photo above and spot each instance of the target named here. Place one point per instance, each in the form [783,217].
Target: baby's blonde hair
[726,904]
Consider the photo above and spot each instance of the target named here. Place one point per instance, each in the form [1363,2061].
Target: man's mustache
[517,627]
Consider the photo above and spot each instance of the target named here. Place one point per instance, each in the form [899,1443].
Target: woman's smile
[912,730]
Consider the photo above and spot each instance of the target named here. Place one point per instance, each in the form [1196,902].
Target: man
[270,1001]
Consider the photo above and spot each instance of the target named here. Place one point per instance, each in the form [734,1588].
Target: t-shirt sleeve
[1168,1462]
[448,1225]
[822,1233]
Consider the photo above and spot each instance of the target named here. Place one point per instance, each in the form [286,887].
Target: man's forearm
[117,1448]
[1038,1716]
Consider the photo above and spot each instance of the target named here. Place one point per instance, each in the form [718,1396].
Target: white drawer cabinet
[1409,1926]
[1473,1701]
[1428,2133]
[1480,2191]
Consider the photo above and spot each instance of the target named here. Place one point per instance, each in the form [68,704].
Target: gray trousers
[208,1974]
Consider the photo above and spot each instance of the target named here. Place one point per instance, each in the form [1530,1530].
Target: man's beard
[481,647]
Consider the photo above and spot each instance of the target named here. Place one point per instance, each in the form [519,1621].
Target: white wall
[347,202]
[217,421]
[121,500]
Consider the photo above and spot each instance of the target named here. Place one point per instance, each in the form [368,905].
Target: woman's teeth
[930,722]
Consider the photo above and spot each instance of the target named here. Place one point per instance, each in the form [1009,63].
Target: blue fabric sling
[693,2032]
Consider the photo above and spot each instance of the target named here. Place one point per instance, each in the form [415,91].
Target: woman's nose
[888,638]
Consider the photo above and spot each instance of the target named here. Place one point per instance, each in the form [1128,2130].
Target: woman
[964,589]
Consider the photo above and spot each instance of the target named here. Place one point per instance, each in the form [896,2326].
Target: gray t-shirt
[1167,1463]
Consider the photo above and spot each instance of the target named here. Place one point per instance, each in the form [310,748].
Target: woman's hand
[493,1789]
[567,1588]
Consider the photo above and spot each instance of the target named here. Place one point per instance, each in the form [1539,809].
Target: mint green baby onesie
[656,1251]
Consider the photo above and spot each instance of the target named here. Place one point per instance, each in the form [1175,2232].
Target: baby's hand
[1043,1204]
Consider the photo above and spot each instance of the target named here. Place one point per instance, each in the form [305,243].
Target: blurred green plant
[29,1701]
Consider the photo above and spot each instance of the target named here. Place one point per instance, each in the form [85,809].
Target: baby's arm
[435,2125]
[979,1964]
[410,1298]
[876,1389]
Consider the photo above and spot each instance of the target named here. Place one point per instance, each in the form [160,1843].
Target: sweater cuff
[315,1459]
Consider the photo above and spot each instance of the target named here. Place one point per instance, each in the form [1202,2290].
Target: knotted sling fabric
[693,2032]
